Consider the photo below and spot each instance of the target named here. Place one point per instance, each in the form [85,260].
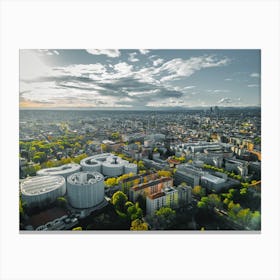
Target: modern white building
[85,189]
[168,197]
[63,170]
[108,164]
[40,190]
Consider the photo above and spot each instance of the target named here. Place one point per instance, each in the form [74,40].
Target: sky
[139,78]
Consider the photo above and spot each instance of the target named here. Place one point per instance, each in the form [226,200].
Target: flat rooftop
[213,179]
[41,184]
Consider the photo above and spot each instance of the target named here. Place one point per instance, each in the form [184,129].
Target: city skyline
[138,79]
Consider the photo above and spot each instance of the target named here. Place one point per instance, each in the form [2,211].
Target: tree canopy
[119,199]
[138,224]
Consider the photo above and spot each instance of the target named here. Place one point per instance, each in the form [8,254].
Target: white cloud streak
[108,52]
[255,75]
[253,85]
[144,51]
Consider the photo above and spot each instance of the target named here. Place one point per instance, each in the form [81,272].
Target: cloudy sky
[139,79]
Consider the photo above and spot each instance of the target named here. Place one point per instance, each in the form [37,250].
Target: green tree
[39,157]
[198,191]
[255,222]
[244,216]
[214,200]
[134,211]
[77,228]
[141,165]
[138,224]
[243,191]
[233,209]
[118,200]
[201,204]
[165,218]
[61,202]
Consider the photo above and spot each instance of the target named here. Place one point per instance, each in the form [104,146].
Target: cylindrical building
[106,163]
[40,190]
[63,170]
[113,166]
[85,189]
[130,168]
[91,164]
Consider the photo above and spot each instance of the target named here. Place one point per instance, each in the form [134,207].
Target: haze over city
[139,79]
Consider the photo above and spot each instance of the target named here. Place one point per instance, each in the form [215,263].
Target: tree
[198,191]
[134,211]
[164,173]
[255,222]
[165,218]
[141,165]
[244,216]
[243,191]
[110,182]
[118,200]
[39,157]
[233,209]
[22,206]
[201,204]
[115,135]
[103,147]
[62,202]
[77,228]
[138,224]
[214,200]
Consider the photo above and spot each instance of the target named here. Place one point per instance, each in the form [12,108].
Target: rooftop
[41,184]
[213,179]
[85,178]
[60,169]
[152,183]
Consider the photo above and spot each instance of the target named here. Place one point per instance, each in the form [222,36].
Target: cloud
[115,84]
[158,61]
[228,79]
[178,67]
[108,52]
[217,91]
[253,85]
[132,57]
[255,75]
[144,51]
[43,52]
[225,100]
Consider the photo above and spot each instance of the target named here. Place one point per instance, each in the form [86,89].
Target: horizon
[136,109]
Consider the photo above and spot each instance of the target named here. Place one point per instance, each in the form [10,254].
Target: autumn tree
[198,191]
[77,228]
[138,224]
[110,182]
[164,173]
